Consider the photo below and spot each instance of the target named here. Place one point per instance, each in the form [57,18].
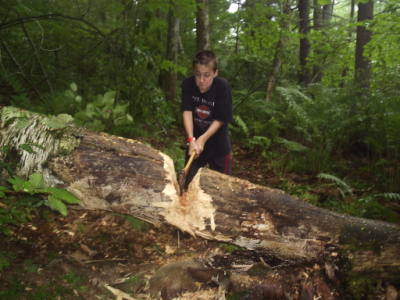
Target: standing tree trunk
[202,25]
[350,39]
[322,17]
[327,13]
[304,28]
[362,73]
[237,27]
[169,76]
[280,45]
[318,25]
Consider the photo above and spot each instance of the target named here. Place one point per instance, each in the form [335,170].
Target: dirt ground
[74,257]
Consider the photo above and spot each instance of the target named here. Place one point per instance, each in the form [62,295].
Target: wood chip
[120,295]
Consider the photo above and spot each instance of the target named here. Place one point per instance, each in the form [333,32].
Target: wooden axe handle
[183,174]
[189,163]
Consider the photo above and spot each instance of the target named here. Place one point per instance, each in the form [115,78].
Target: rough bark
[127,176]
[280,46]
[304,50]
[169,77]
[362,63]
[202,25]
[258,217]
[322,15]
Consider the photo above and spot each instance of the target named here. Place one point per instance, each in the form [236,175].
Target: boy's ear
[216,73]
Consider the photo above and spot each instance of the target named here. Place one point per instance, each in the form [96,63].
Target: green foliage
[361,287]
[229,248]
[342,186]
[136,224]
[4,261]
[291,145]
[177,153]
[257,143]
[35,186]
[102,114]
[30,266]
[20,198]
[59,122]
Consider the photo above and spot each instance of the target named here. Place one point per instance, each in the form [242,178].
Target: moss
[259,270]
[361,287]
[363,238]
[67,144]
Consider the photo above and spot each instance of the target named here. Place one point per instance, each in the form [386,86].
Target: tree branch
[55,17]
[35,52]
[21,70]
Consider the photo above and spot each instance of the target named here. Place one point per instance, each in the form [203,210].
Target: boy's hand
[197,147]
[200,144]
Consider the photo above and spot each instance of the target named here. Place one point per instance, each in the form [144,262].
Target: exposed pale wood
[113,173]
[258,217]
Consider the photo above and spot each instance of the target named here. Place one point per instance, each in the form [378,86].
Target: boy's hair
[205,57]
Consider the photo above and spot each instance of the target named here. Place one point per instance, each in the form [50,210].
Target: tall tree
[322,15]
[362,73]
[280,45]
[169,76]
[304,51]
[202,25]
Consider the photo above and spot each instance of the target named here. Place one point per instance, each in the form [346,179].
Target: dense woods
[315,92]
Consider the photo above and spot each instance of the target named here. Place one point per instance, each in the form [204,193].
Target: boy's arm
[201,141]
[188,125]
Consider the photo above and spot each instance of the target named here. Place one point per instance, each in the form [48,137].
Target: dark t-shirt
[215,104]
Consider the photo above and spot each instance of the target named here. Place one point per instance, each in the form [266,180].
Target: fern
[292,145]
[294,98]
[389,196]
[241,125]
[342,186]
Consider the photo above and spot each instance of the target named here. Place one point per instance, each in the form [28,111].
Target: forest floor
[76,257]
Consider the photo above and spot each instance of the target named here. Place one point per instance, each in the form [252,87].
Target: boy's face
[204,76]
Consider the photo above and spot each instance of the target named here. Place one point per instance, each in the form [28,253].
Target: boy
[207,110]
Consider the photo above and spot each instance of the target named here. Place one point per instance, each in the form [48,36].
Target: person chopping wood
[207,110]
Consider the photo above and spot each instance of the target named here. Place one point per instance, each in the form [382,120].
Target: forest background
[315,83]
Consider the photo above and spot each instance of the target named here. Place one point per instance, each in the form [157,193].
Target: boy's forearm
[215,125]
[188,123]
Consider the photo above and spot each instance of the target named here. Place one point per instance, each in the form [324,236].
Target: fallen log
[123,175]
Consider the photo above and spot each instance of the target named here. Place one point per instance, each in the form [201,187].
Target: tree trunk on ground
[202,25]
[362,64]
[304,50]
[117,174]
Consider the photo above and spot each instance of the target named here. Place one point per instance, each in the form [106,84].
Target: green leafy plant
[229,248]
[4,262]
[105,113]
[136,224]
[251,141]
[56,198]
[342,186]
[20,198]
